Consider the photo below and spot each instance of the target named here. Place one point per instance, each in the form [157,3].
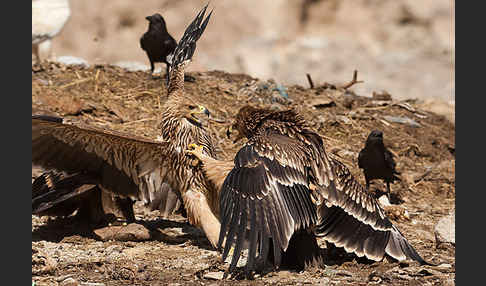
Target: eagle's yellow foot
[231,251]
[196,151]
[230,254]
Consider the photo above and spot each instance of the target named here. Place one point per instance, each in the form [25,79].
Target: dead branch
[352,82]
[311,83]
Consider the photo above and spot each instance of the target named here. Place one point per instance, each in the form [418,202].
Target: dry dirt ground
[178,254]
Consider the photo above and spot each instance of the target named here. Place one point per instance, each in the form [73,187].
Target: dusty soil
[179,254]
[405,47]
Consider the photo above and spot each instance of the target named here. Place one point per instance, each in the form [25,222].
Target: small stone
[445,230]
[383,95]
[69,282]
[344,273]
[322,102]
[402,120]
[343,119]
[214,275]
[131,232]
[444,266]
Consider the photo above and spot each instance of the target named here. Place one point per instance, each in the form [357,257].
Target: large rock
[131,232]
[445,229]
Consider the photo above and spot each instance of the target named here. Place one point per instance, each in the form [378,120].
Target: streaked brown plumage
[282,184]
[138,168]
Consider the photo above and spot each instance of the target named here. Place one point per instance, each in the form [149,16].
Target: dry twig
[75,82]
[353,81]
[309,79]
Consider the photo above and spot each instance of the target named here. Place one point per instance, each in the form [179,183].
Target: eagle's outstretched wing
[352,218]
[281,184]
[125,165]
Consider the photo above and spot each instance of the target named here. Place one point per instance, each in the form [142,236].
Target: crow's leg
[152,67]
[167,74]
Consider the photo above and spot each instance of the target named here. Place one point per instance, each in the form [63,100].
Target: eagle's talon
[195,150]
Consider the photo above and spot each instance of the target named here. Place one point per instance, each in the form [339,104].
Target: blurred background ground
[404,47]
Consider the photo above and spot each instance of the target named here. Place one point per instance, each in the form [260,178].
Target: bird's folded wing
[126,165]
[265,197]
[390,162]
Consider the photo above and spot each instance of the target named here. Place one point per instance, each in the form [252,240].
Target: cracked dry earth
[171,252]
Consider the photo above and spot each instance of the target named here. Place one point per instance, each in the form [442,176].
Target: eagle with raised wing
[282,191]
[133,167]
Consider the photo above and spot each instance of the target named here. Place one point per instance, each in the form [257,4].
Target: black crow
[377,161]
[157,42]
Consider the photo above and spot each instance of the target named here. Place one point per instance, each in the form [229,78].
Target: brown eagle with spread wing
[282,191]
[132,167]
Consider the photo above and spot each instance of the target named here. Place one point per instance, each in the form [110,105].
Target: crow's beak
[149,18]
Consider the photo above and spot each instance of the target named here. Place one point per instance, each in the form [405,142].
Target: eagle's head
[195,113]
[249,119]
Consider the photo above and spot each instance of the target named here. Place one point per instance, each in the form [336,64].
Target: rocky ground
[171,252]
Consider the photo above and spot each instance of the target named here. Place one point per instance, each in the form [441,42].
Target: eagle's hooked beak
[200,110]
